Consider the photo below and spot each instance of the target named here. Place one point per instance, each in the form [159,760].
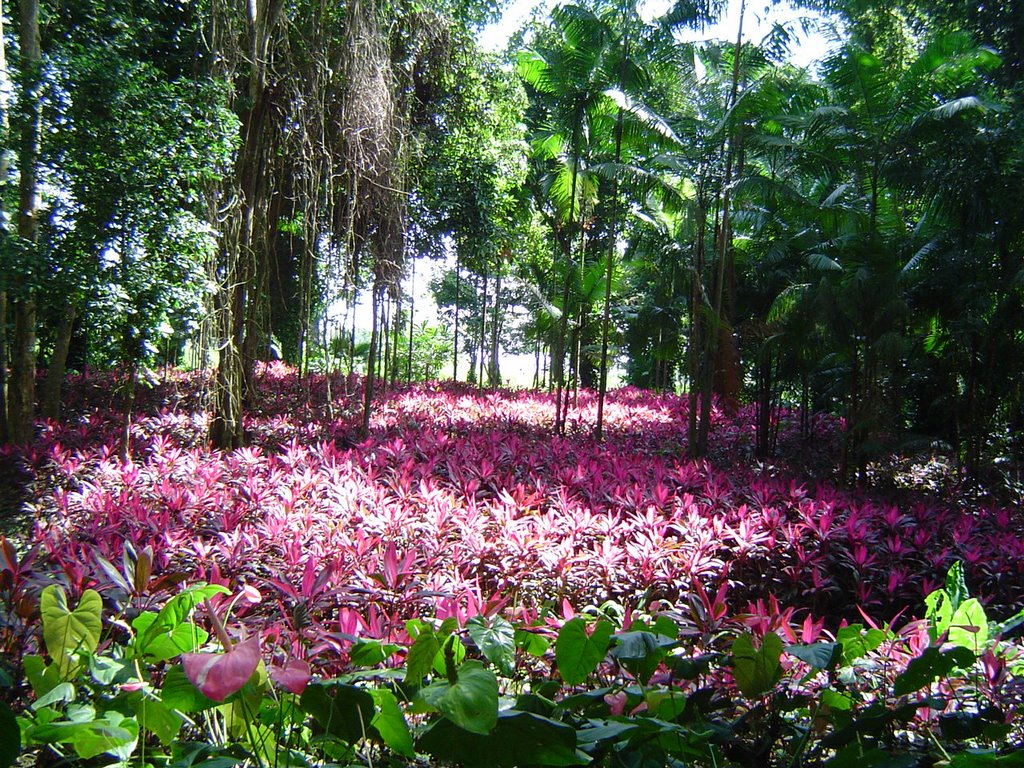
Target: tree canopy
[210,184]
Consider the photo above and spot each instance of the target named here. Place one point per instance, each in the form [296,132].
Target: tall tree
[22,261]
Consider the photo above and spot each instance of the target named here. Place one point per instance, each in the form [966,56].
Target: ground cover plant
[463,583]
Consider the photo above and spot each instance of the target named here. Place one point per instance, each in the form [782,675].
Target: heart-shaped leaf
[931,665]
[756,669]
[67,632]
[577,653]
[471,702]
[218,675]
[185,637]
[496,639]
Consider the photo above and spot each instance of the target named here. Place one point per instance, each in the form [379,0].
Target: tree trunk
[371,359]
[58,365]
[494,373]
[4,431]
[5,164]
[696,343]
[352,329]
[21,391]
[455,342]
[244,249]
[385,326]
[537,365]
[396,333]
[481,344]
[412,316]
[602,389]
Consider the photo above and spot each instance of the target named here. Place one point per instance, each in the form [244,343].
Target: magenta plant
[458,495]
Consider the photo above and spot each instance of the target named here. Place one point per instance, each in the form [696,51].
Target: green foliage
[70,633]
[578,652]
[638,695]
[756,669]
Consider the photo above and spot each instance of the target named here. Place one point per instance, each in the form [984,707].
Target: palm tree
[568,74]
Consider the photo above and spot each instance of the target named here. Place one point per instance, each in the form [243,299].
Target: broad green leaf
[666,627]
[641,645]
[420,661]
[67,632]
[57,731]
[938,612]
[370,653]
[756,670]
[178,609]
[577,653]
[641,652]
[41,676]
[605,730]
[837,700]
[471,702]
[969,626]
[179,693]
[451,646]
[185,637]
[858,642]
[105,670]
[533,643]
[856,756]
[496,640]
[155,716]
[345,711]
[818,655]
[963,726]
[390,723]
[115,735]
[448,626]
[956,585]
[61,692]
[931,665]
[983,758]
[518,738]
[665,703]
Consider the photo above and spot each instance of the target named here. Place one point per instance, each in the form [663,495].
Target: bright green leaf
[390,723]
[67,632]
[420,661]
[969,626]
[577,653]
[496,640]
[471,702]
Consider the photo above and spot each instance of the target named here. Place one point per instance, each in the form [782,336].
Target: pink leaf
[293,676]
[218,675]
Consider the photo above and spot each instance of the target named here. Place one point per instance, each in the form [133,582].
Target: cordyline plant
[458,494]
[192,682]
[319,553]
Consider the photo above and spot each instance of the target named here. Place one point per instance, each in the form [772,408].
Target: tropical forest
[511,383]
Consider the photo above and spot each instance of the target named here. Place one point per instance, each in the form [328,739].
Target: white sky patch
[758,19]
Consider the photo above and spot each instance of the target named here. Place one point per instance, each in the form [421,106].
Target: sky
[759,17]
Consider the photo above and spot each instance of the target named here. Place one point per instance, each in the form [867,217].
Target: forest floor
[459,497]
